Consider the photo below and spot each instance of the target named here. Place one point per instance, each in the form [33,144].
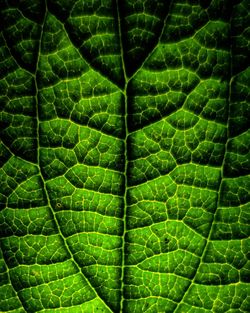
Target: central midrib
[125,173]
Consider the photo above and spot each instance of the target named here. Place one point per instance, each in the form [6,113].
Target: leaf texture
[124,156]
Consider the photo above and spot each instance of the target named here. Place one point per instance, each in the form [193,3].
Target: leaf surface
[124,156]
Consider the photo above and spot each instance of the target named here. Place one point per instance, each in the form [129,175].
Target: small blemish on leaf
[166,240]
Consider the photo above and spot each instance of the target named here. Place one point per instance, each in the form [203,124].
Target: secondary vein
[219,188]
[43,179]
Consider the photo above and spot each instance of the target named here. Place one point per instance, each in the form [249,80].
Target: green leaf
[124,156]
